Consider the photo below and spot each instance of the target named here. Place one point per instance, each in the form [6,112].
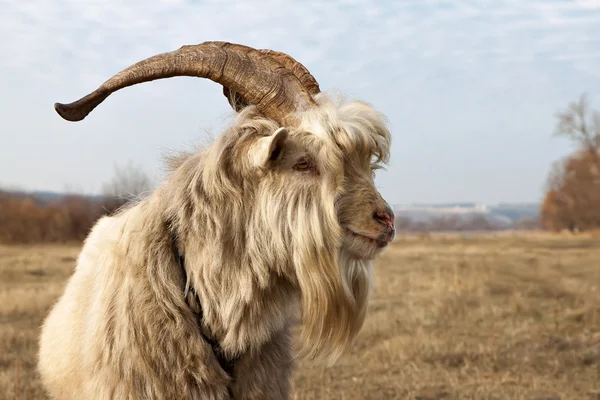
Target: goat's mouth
[380,241]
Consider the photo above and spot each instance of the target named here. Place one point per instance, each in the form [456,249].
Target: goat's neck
[240,311]
[245,296]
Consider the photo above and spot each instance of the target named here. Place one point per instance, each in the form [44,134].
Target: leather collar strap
[226,363]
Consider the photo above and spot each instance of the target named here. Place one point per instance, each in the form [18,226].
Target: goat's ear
[270,147]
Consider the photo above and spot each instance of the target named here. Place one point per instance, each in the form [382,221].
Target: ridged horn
[272,88]
[300,71]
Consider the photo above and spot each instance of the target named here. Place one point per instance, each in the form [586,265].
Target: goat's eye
[303,164]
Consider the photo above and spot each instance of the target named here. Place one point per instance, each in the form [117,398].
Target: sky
[470,88]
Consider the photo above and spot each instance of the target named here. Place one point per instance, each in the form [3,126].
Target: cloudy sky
[470,87]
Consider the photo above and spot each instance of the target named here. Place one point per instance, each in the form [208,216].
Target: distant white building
[458,209]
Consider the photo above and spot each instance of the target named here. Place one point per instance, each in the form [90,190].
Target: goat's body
[116,334]
[257,242]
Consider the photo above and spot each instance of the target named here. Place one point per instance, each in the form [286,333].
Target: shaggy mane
[258,244]
[213,203]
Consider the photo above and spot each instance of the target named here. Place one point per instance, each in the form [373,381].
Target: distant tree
[581,125]
[129,183]
[572,200]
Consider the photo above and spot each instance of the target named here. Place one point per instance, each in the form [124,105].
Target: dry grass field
[504,317]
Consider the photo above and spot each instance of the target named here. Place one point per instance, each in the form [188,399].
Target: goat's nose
[385,216]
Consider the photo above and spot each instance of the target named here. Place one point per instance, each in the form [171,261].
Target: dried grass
[502,316]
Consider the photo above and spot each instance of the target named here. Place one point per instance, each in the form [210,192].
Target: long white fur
[260,243]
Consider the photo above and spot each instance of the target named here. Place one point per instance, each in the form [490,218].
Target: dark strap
[225,362]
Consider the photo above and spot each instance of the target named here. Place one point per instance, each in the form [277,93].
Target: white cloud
[103,35]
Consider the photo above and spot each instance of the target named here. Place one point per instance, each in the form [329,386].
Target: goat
[192,292]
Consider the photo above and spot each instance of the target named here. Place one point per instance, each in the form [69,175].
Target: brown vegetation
[29,219]
[573,198]
[495,317]
[25,219]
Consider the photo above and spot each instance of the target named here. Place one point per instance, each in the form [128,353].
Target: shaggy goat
[192,292]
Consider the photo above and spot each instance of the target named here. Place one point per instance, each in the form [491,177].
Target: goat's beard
[334,287]
[334,301]
[334,291]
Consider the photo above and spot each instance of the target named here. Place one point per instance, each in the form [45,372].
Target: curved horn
[300,71]
[274,90]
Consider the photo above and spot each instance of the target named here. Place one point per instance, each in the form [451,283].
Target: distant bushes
[27,219]
[454,223]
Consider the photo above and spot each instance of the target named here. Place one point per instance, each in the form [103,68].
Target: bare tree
[580,124]
[128,183]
